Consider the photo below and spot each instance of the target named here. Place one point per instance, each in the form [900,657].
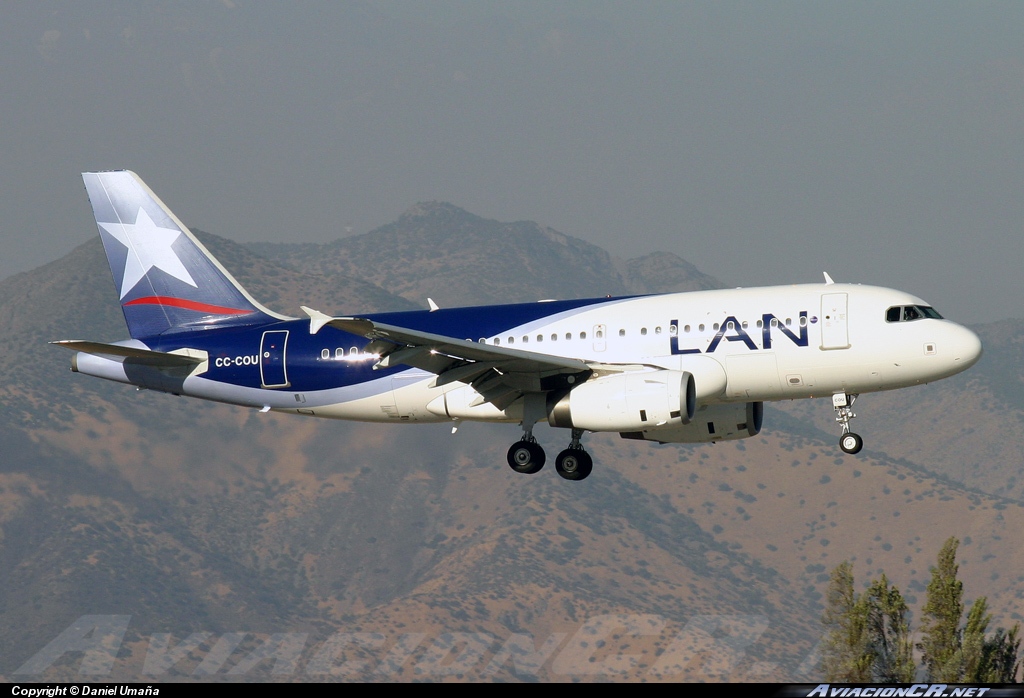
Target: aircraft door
[600,334]
[834,332]
[273,373]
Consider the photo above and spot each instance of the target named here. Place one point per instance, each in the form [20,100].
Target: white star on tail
[149,246]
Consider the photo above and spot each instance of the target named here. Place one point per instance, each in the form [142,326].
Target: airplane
[689,367]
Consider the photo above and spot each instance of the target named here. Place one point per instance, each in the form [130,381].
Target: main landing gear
[574,463]
[842,403]
[527,456]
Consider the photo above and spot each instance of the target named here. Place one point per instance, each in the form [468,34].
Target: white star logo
[149,246]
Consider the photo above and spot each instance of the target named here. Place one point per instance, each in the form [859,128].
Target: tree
[868,638]
[940,644]
[845,654]
[988,659]
[1000,663]
[888,633]
[868,635]
[972,646]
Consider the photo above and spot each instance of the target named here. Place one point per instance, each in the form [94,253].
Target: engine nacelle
[711,423]
[627,402]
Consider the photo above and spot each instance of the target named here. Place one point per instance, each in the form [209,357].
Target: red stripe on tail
[188,305]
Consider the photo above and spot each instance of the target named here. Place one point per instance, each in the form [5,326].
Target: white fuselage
[822,339]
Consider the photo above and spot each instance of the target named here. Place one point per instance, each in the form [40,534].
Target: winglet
[828,279]
[317,320]
[433,306]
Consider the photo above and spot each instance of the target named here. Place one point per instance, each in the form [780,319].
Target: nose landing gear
[842,403]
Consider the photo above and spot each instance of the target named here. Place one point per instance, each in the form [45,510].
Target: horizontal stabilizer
[118,352]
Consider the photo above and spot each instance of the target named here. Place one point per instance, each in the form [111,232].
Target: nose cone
[966,348]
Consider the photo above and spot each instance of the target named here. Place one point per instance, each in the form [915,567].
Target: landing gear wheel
[843,404]
[574,464]
[851,443]
[526,457]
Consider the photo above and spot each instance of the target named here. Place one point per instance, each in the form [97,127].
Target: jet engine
[626,402]
[711,423]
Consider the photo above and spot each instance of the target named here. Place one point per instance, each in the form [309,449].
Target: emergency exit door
[273,372]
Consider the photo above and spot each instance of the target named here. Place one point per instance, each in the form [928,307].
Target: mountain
[254,546]
[437,250]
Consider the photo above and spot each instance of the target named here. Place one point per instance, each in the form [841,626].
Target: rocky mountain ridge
[260,547]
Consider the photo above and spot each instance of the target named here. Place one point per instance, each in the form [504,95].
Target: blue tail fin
[167,280]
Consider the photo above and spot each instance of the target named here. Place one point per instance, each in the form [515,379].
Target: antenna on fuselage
[828,279]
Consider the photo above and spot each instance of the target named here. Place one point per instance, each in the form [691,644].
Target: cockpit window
[906,313]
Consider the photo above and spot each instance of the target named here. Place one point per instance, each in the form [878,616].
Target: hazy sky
[763,141]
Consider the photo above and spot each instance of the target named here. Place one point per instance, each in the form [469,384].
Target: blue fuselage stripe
[235,353]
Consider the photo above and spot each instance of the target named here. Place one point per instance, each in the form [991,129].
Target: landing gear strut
[574,463]
[842,403]
[526,455]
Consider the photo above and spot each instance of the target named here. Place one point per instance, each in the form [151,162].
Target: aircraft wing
[499,374]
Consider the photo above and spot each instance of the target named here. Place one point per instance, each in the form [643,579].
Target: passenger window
[715,327]
[730,325]
[540,338]
[554,337]
[599,334]
[686,328]
[700,327]
[583,335]
[643,331]
[526,339]
[622,333]
[657,330]
[568,335]
[511,340]
[325,354]
[789,321]
[497,341]
[803,321]
[673,330]
[339,352]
